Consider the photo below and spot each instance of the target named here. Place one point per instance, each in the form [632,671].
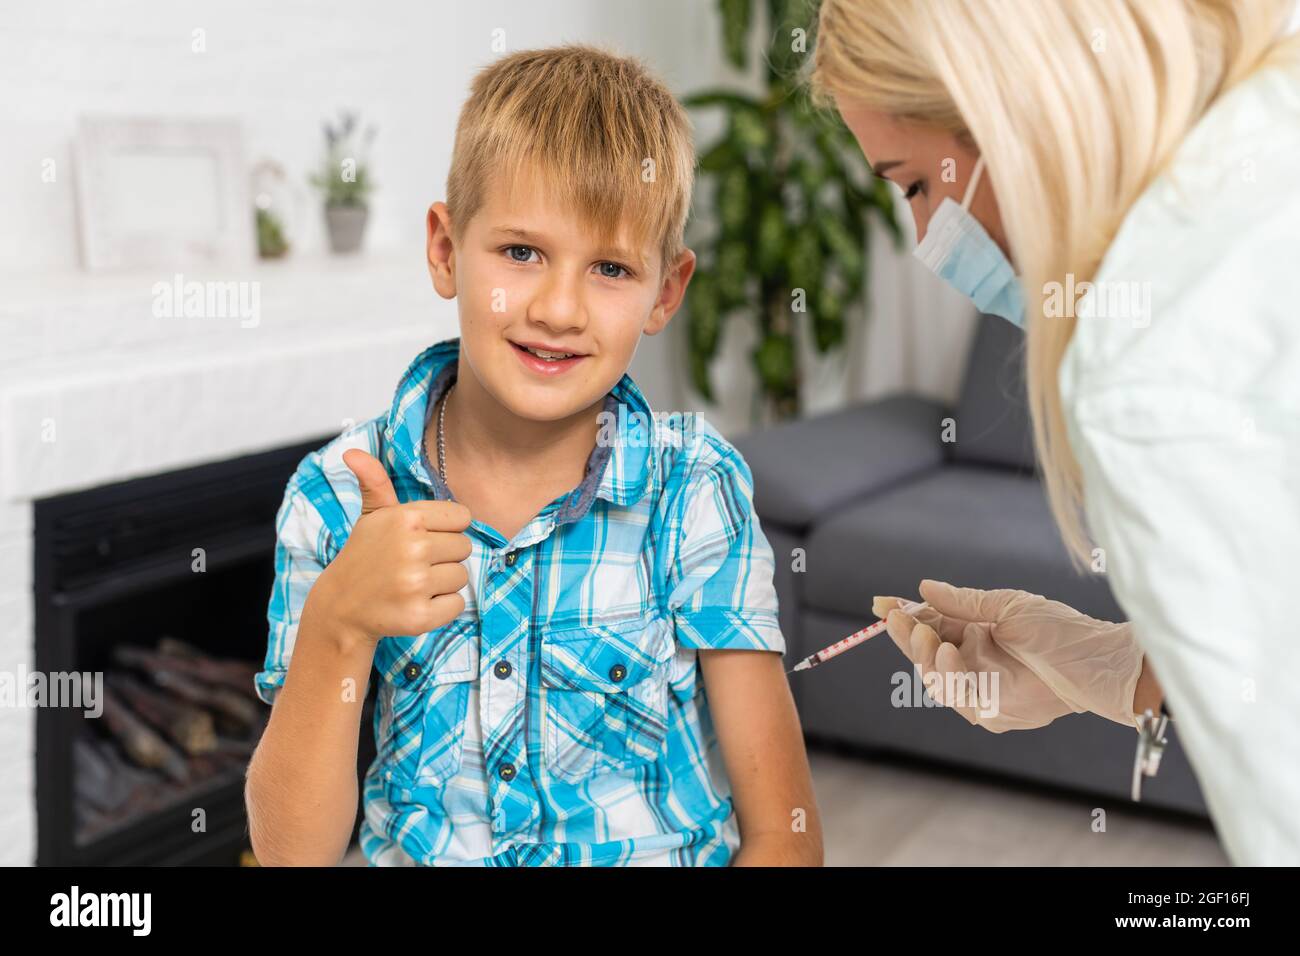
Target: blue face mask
[958,250]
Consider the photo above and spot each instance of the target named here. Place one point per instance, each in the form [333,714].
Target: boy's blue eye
[524,254]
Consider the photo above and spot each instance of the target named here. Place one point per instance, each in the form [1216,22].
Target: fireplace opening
[155,590]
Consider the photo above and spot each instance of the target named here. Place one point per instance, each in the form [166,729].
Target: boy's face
[528,273]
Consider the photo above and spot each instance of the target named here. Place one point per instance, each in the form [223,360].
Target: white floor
[885,814]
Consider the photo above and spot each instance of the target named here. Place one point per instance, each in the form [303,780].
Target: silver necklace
[442,446]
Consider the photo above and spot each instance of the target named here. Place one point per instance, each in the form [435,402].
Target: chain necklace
[442,445]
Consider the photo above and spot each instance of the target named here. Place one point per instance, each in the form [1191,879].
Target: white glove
[1049,659]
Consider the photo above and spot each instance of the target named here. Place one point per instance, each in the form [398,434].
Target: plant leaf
[732,273]
[828,320]
[720,157]
[735,30]
[774,360]
[733,200]
[771,238]
[704,317]
[700,376]
[840,244]
[748,130]
[721,97]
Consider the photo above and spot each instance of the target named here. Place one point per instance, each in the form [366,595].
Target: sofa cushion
[804,468]
[971,526]
[992,413]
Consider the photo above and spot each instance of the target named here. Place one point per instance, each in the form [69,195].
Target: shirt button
[617,673]
[412,671]
[506,772]
[502,669]
[511,558]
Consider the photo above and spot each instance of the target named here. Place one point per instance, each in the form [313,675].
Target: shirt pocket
[423,701]
[605,695]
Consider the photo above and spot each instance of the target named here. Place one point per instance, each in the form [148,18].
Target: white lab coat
[1187,430]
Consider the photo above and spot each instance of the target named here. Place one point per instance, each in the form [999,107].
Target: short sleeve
[720,583]
[299,547]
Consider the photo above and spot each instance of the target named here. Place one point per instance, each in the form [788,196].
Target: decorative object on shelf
[273,206]
[792,201]
[161,193]
[344,179]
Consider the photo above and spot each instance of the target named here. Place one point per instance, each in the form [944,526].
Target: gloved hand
[1050,659]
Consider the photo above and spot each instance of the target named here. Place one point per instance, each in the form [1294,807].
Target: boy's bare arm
[302,782]
[762,747]
[400,572]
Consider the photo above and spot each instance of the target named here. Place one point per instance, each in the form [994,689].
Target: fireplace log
[188,726]
[175,647]
[238,673]
[232,712]
[108,788]
[97,786]
[230,674]
[104,781]
[140,741]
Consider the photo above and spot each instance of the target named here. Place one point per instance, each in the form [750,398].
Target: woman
[1122,177]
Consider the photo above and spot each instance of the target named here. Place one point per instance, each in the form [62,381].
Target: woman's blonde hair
[601,132]
[1077,106]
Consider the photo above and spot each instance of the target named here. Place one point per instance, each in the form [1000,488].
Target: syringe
[853,640]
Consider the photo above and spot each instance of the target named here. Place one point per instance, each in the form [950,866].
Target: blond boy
[568,600]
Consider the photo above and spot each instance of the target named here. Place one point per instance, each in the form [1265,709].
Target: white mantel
[129,394]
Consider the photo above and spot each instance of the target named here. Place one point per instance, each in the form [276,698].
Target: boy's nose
[558,306]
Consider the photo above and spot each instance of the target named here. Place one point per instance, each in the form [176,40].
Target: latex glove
[1050,660]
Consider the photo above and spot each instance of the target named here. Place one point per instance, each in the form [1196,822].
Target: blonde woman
[1122,177]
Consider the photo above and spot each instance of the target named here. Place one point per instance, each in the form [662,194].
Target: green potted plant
[344,179]
[792,204]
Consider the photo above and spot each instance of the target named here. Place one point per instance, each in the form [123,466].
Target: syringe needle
[852,641]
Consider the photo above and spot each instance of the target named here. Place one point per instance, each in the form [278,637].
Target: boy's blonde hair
[604,135]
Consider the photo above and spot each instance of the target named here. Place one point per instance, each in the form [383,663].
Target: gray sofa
[878,501]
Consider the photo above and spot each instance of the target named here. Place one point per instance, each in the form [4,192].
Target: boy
[575,575]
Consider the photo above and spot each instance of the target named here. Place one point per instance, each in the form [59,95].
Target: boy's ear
[676,278]
[441,253]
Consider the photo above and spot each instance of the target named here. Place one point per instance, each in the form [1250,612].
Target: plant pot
[347,224]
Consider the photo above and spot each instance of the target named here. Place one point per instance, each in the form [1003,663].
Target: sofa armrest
[805,468]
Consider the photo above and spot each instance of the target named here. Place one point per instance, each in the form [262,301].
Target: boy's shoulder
[687,452]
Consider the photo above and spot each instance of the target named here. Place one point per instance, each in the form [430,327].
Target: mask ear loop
[974,181]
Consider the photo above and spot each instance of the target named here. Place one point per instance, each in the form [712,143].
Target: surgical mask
[958,250]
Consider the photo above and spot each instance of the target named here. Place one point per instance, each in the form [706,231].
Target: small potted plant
[344,179]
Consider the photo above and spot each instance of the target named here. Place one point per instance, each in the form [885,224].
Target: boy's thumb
[376,487]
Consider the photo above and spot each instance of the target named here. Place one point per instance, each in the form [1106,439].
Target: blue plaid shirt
[561,718]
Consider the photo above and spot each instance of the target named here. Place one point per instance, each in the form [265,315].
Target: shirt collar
[619,472]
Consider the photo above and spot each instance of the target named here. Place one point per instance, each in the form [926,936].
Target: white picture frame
[155,192]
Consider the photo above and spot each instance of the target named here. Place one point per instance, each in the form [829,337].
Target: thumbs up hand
[401,569]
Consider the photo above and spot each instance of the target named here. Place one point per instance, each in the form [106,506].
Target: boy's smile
[545,359]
